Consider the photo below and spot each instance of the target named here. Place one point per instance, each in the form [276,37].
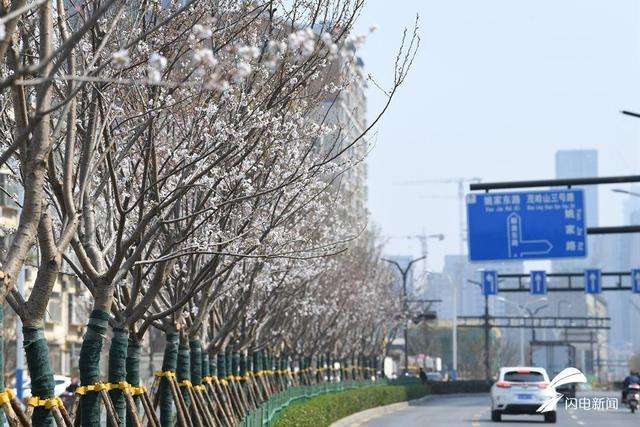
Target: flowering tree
[182,160]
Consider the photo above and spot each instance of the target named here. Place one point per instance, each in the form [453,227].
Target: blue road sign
[593,281]
[635,280]
[526,225]
[538,284]
[489,282]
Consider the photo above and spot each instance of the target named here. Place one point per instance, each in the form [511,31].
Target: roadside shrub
[324,410]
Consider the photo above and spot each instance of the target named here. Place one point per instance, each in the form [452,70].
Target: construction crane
[460,181]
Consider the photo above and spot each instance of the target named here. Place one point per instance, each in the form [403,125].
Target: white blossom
[205,56]
[201,32]
[248,52]
[241,71]
[120,58]
[156,64]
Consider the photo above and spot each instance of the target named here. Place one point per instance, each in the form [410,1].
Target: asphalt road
[474,411]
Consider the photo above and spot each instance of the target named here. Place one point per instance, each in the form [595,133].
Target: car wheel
[550,417]
[496,416]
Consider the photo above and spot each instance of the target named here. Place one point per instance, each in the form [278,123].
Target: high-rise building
[345,110]
[582,164]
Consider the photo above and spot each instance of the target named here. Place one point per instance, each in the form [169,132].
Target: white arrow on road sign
[525,247]
[593,279]
[489,285]
[538,282]
[635,281]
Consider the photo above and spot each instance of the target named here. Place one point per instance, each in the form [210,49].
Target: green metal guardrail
[268,412]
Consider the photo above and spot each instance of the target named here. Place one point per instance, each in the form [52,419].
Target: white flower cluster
[157,63]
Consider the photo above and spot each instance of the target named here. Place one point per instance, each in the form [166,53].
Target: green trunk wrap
[263,358]
[195,349]
[169,363]
[205,364]
[42,384]
[243,365]
[235,369]
[183,370]
[118,369]
[213,365]
[222,366]
[256,363]
[133,372]
[227,362]
[89,366]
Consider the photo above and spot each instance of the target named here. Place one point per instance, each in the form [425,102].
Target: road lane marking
[475,419]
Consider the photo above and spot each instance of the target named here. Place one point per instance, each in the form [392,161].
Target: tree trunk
[183,371]
[89,366]
[118,369]
[169,363]
[133,372]
[195,351]
[42,384]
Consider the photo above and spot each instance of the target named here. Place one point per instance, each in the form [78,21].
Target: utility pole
[404,272]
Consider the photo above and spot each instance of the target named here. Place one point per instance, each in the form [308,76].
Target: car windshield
[523,377]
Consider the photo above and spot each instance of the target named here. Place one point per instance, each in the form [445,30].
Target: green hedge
[323,410]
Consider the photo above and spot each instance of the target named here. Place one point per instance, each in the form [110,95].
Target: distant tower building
[582,164]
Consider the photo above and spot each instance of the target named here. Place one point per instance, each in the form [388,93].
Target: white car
[61,384]
[519,391]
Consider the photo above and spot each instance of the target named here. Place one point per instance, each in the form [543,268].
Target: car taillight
[503,384]
[543,385]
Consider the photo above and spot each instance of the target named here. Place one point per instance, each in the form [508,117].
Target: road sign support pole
[487,357]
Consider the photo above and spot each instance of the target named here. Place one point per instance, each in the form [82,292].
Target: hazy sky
[497,88]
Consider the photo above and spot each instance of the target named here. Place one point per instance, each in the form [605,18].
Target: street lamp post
[454,326]
[404,272]
[630,193]
[522,309]
[532,314]
[487,328]
[562,301]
